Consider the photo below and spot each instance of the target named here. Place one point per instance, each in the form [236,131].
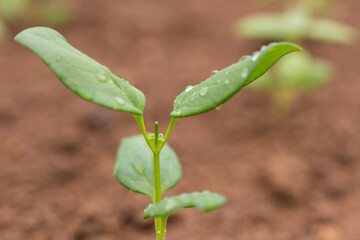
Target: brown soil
[295,180]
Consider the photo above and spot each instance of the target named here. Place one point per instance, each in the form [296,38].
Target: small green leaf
[205,201]
[134,166]
[223,85]
[81,74]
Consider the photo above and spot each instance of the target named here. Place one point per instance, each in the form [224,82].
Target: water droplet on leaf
[219,107]
[213,72]
[101,77]
[255,56]
[188,88]
[244,72]
[204,91]
[86,95]
[58,59]
[227,81]
[119,101]
[244,58]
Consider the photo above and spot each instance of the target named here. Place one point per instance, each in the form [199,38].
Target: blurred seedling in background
[300,73]
[145,163]
[39,12]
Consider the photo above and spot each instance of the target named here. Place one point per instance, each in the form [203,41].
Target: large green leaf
[134,166]
[81,74]
[223,85]
[206,201]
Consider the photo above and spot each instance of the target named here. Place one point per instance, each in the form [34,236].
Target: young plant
[145,163]
[301,73]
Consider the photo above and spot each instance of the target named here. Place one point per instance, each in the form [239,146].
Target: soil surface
[296,180]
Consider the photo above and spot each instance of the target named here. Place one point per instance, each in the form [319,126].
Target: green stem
[171,126]
[160,222]
[140,121]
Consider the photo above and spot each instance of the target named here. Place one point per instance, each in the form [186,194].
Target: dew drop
[184,197]
[101,77]
[188,88]
[168,157]
[213,72]
[255,56]
[263,48]
[204,91]
[227,81]
[206,191]
[170,204]
[119,101]
[244,58]
[86,95]
[226,73]
[58,59]
[219,107]
[244,72]
[106,68]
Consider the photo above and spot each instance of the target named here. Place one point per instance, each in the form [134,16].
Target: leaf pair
[96,83]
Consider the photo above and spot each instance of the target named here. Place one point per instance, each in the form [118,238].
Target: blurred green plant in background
[34,12]
[302,72]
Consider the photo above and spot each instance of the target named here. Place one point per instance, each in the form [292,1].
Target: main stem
[160,232]
[160,222]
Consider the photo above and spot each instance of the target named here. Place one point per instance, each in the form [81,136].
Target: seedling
[145,163]
[301,73]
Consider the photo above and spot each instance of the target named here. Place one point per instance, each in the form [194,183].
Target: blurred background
[284,151]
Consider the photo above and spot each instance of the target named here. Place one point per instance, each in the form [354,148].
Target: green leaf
[223,85]
[205,201]
[134,166]
[297,73]
[81,74]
